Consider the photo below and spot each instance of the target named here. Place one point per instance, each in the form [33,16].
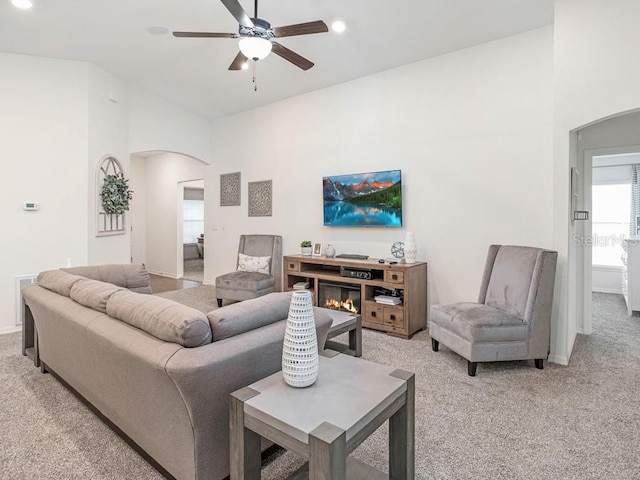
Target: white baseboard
[563,359]
[163,274]
[5,330]
[607,290]
[559,359]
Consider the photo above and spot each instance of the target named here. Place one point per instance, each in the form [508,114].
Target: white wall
[596,75]
[138,216]
[58,122]
[158,125]
[606,279]
[471,131]
[43,117]
[611,134]
[162,175]
[108,136]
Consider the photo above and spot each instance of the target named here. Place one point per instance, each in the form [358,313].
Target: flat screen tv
[371,199]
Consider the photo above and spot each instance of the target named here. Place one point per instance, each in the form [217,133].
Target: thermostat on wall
[30,206]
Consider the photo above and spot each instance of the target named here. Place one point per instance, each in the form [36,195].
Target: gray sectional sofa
[159,371]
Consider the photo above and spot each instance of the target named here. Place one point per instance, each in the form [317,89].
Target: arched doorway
[157,180]
[617,135]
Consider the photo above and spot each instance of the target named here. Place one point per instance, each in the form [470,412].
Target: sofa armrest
[207,375]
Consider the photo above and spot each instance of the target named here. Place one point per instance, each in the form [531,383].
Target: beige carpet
[510,422]
[201,298]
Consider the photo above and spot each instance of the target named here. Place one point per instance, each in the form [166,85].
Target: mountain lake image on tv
[363,199]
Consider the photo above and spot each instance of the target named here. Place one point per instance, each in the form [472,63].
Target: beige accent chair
[244,285]
[512,318]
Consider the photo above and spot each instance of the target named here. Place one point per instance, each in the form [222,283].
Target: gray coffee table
[325,422]
[344,322]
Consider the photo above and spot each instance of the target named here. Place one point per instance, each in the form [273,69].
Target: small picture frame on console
[317,249]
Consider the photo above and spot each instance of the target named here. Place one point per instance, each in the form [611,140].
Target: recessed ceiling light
[158,30]
[338,26]
[23,4]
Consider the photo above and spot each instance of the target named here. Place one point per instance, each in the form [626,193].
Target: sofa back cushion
[248,315]
[131,276]
[93,294]
[160,317]
[58,281]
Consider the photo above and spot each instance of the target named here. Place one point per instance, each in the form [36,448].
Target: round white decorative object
[410,248]
[300,349]
[330,251]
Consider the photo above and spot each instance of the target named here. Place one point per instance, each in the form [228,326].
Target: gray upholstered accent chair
[512,319]
[243,285]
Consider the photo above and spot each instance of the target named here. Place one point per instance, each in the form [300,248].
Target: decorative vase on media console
[330,251]
[410,248]
[300,348]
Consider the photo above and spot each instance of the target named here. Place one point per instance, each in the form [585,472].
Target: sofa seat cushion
[131,276]
[160,317]
[479,323]
[58,281]
[252,281]
[93,294]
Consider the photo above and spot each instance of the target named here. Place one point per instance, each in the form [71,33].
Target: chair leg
[219,302]
[471,368]
[434,345]
[539,363]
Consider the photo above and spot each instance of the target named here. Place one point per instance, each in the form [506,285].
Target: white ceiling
[381,34]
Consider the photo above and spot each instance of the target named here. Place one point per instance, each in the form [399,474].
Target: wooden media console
[407,280]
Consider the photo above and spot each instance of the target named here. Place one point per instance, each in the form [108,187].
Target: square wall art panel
[260,194]
[230,189]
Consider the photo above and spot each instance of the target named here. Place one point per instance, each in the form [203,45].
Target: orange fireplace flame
[335,304]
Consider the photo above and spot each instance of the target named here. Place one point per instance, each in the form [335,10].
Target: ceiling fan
[257,37]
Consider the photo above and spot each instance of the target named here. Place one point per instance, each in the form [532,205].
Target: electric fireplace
[339,296]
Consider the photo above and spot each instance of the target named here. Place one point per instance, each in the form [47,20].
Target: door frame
[180,223]
[587,175]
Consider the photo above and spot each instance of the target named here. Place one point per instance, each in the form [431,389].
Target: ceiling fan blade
[301,29]
[238,62]
[205,35]
[238,13]
[291,56]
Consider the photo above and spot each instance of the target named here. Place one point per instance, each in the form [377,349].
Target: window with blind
[611,210]
[193,220]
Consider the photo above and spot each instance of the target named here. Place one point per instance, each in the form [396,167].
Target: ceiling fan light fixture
[338,26]
[255,48]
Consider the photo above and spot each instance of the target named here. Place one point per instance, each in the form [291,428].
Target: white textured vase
[410,248]
[300,349]
[330,251]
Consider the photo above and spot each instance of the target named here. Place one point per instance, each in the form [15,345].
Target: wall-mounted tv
[363,199]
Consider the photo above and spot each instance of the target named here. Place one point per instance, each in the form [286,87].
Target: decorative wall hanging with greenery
[115,194]
[112,197]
